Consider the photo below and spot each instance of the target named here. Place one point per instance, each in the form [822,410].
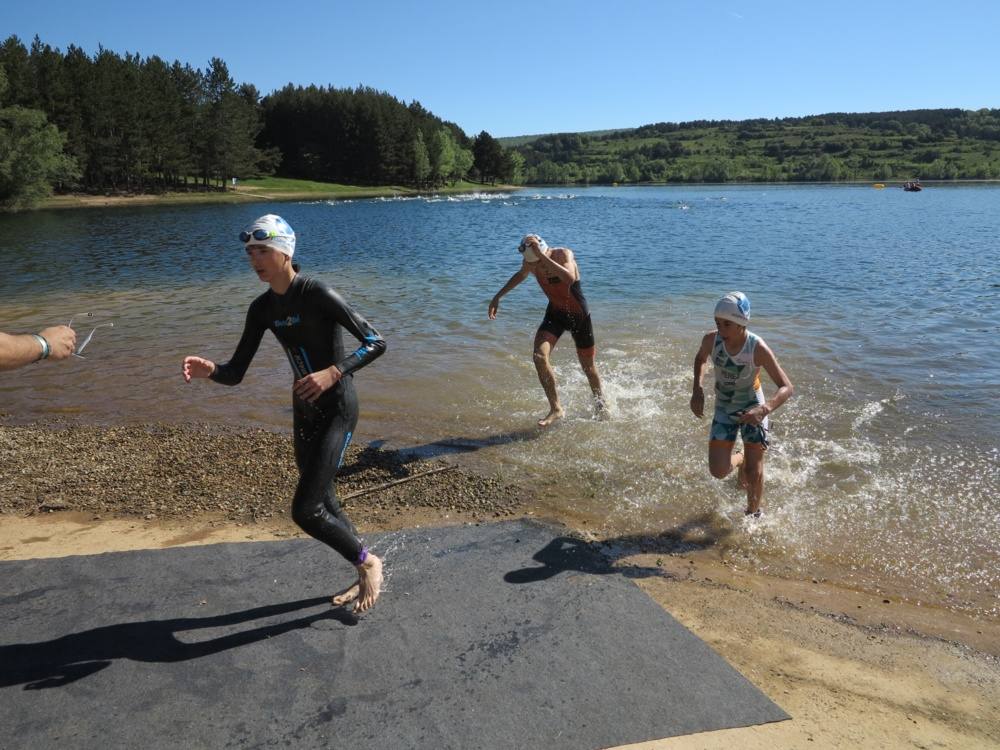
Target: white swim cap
[527,251]
[273,231]
[734,307]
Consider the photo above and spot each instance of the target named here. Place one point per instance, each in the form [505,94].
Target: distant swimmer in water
[308,318]
[737,356]
[557,273]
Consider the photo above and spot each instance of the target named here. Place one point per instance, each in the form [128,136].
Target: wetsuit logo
[291,320]
[299,360]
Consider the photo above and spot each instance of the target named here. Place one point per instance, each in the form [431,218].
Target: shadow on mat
[58,662]
[568,553]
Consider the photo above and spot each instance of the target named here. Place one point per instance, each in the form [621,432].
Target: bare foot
[551,417]
[348,595]
[369,583]
[601,410]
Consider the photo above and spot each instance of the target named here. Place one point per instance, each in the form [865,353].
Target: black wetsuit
[307,320]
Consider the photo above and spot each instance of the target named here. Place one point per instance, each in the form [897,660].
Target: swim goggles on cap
[257,234]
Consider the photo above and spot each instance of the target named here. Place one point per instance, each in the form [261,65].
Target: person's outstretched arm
[16,350]
[512,282]
[231,372]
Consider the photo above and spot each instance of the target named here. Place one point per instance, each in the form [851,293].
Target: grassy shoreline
[272,189]
[264,190]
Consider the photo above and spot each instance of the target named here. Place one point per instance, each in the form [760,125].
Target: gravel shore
[169,472]
[901,678]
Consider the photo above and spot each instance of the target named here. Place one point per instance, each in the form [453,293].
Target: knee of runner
[306,515]
[719,471]
[540,356]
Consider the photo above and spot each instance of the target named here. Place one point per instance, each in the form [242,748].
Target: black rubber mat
[504,636]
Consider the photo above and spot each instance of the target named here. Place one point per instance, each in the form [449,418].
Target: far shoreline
[336,192]
[892,184]
[245,194]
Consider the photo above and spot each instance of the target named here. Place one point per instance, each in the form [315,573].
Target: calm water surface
[881,305]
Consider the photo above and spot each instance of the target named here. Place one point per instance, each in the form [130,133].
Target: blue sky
[521,67]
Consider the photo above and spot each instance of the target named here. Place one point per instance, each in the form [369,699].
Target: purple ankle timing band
[362,556]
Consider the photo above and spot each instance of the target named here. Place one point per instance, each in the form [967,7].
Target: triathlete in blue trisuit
[307,316]
[737,356]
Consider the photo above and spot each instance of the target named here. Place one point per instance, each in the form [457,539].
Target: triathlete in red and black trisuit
[308,320]
[567,311]
[559,277]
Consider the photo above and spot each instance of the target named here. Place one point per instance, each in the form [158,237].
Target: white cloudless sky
[522,67]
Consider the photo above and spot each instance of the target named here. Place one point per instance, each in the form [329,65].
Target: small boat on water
[912,186]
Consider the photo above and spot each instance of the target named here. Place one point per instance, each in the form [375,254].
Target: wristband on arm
[46,349]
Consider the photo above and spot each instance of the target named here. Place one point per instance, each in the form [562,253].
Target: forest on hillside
[939,144]
[111,123]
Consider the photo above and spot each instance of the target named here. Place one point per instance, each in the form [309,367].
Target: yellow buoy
[879,185]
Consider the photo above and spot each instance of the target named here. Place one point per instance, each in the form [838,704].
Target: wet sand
[852,670]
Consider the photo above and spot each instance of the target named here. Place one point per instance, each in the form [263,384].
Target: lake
[880,305]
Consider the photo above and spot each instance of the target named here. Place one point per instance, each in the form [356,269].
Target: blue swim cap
[734,307]
[273,231]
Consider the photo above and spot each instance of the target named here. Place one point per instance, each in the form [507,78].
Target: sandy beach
[853,670]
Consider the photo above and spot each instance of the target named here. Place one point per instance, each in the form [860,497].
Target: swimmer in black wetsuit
[306,316]
[558,275]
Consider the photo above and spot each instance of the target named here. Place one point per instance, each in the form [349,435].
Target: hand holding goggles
[257,234]
[94,326]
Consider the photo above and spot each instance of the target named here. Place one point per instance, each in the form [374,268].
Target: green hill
[940,144]
[521,140]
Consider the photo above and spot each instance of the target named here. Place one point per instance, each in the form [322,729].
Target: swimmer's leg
[586,357]
[753,473]
[741,472]
[721,459]
[544,343]
[315,507]
[311,513]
